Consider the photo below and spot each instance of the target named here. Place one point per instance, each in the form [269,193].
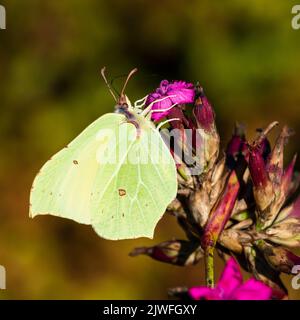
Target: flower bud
[203,111]
[177,113]
[233,240]
[286,232]
[262,271]
[263,189]
[257,168]
[222,212]
[278,258]
[236,148]
[177,252]
[275,163]
[205,120]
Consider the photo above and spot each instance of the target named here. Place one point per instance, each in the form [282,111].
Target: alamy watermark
[2,17]
[132,147]
[296,19]
[296,278]
[2,278]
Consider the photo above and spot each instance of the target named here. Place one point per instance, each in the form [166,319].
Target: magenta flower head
[176,92]
[231,287]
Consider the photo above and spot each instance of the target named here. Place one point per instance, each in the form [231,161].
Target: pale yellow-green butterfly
[118,175]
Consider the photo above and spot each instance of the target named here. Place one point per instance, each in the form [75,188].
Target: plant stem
[209,267]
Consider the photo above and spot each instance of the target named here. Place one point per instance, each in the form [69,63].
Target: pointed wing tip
[31,214]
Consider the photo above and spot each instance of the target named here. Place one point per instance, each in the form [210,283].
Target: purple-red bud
[221,213]
[203,111]
[257,167]
[177,113]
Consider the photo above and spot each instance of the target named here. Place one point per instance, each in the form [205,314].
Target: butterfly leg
[159,110]
[165,122]
[148,110]
[140,103]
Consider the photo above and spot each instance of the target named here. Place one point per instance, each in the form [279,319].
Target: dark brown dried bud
[177,252]
[272,184]
[236,148]
[262,271]
[275,163]
[285,233]
[285,229]
[278,258]
[234,240]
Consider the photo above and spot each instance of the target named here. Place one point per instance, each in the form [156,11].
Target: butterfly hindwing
[138,191]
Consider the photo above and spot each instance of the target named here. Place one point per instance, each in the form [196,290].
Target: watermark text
[2,278]
[296,18]
[2,17]
[296,278]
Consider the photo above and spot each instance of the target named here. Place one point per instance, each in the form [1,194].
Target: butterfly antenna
[131,73]
[107,84]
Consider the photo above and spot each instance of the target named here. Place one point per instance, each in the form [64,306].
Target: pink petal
[231,278]
[181,96]
[179,85]
[152,97]
[161,105]
[177,92]
[252,290]
[204,293]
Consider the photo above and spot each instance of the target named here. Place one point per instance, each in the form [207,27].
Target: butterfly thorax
[124,107]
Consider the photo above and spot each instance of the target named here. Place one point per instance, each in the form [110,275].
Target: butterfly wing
[130,198]
[64,185]
[110,178]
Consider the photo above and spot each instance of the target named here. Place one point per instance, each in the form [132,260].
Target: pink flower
[231,287]
[176,92]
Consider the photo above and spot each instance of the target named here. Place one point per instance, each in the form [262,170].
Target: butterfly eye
[122,109]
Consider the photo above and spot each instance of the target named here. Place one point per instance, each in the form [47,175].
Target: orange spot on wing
[122,192]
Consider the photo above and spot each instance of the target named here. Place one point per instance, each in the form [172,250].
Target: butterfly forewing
[117,176]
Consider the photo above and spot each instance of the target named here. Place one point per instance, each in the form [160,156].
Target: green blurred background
[244,53]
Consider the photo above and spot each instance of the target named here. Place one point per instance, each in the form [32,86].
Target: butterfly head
[123,103]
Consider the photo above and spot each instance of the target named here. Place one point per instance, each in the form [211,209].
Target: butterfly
[118,175]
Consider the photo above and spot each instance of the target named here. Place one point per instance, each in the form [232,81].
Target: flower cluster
[242,204]
[231,287]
